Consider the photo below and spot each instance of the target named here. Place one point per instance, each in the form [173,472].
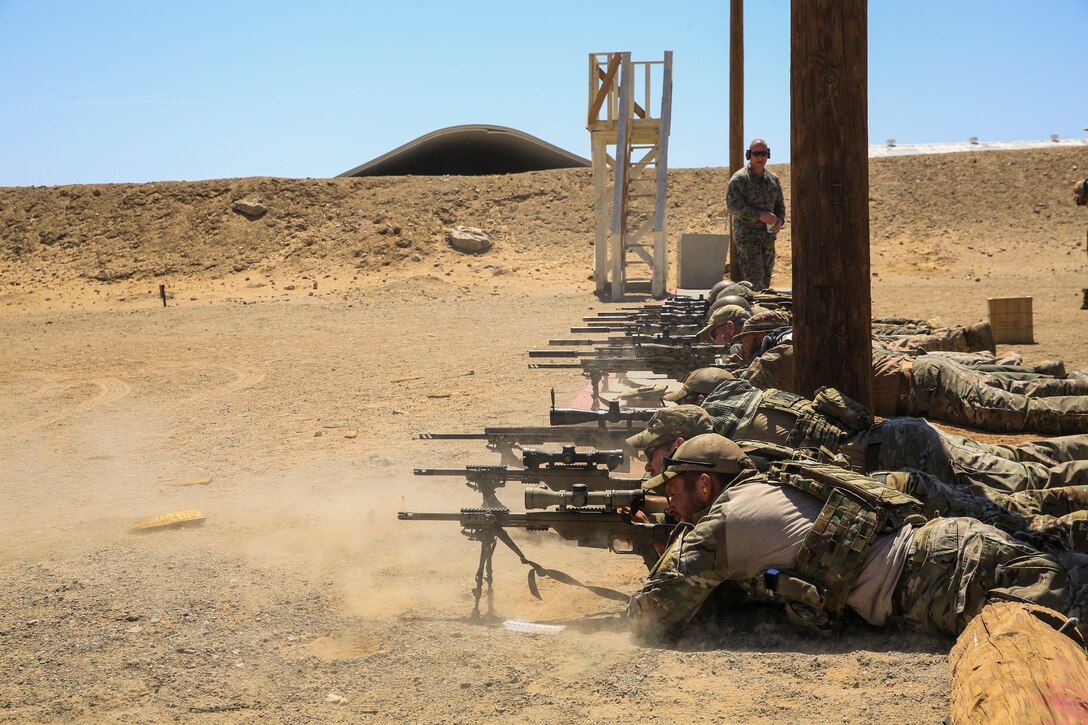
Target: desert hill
[954,215]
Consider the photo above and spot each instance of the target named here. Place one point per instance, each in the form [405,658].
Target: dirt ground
[298,356]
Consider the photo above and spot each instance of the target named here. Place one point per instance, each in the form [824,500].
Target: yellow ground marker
[176,518]
[201,480]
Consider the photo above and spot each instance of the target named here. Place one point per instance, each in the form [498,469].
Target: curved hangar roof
[473,150]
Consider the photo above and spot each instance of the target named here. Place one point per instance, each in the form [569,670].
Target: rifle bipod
[484,573]
[488,537]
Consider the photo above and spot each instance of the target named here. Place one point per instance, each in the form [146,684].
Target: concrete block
[700,260]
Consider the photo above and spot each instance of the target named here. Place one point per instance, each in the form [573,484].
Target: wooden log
[1012,666]
[829,171]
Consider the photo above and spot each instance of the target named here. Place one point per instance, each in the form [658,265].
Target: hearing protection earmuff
[748,154]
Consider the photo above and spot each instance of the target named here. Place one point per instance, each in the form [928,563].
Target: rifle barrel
[534,435]
[557,353]
[421,516]
[451,436]
[577,341]
[598,328]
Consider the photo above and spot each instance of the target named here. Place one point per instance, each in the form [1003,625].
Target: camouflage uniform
[982,359]
[747,197]
[772,366]
[940,388]
[952,568]
[1047,518]
[957,565]
[1035,385]
[1059,514]
[899,443]
[975,338]
[913,443]
[956,394]
[902,326]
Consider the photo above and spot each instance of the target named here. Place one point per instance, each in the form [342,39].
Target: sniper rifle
[607,525]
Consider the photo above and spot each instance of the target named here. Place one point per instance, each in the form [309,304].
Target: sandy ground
[302,598]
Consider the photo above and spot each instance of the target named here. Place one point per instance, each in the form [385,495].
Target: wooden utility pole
[736,112]
[829,172]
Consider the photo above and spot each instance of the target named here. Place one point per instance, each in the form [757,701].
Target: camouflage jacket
[750,195]
[734,405]
[806,553]
[772,369]
[692,567]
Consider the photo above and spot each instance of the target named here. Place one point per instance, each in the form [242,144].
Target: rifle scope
[579,496]
[534,458]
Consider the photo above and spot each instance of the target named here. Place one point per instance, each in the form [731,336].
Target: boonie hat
[764,321]
[707,453]
[719,317]
[702,381]
[679,421]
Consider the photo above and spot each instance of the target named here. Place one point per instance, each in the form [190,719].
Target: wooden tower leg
[620,178]
[600,213]
[661,259]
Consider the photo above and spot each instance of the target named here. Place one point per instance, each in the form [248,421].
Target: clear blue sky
[147,90]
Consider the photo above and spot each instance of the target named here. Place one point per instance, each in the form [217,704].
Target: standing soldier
[755,200]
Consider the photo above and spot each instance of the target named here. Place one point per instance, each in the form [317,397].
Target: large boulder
[468,240]
[250,209]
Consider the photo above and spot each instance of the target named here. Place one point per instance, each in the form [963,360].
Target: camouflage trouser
[1036,385]
[1050,451]
[901,326]
[982,359]
[951,339]
[755,255]
[1060,513]
[964,462]
[1016,370]
[957,565]
[956,394]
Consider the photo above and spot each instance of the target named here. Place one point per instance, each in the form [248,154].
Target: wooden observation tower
[629,184]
